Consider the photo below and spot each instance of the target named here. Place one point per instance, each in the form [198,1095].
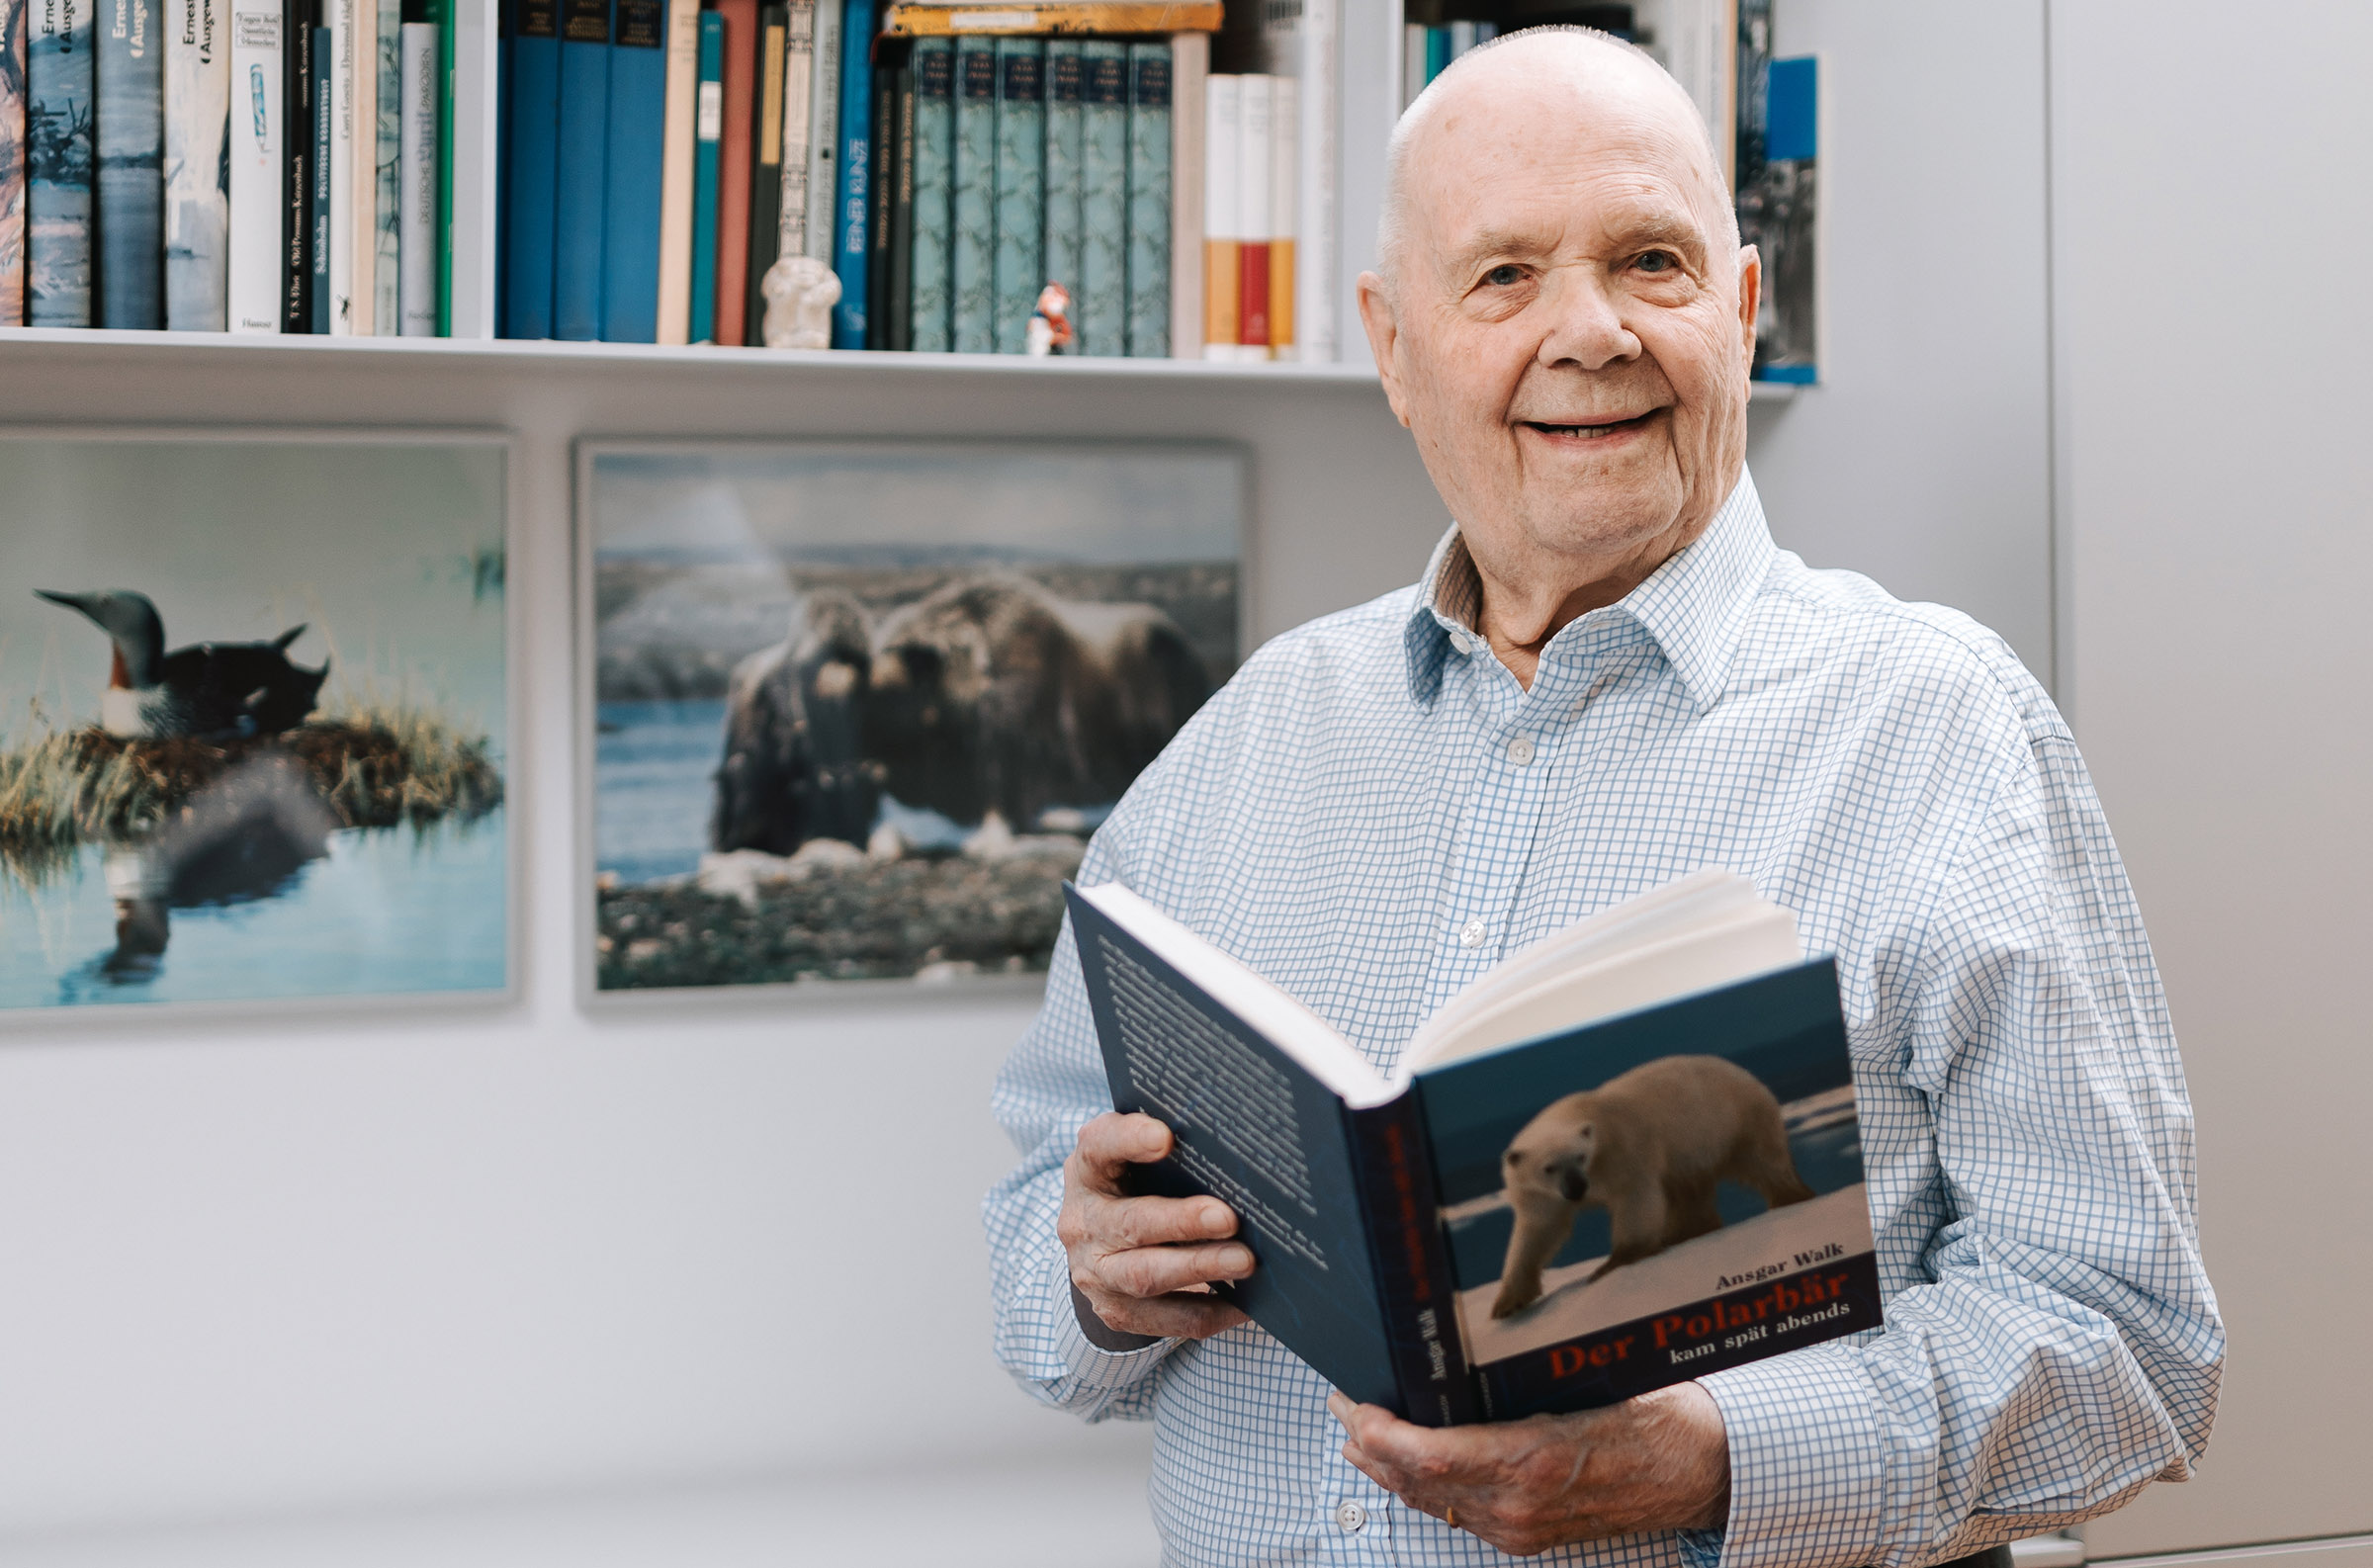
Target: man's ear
[1750,297]
[1383,337]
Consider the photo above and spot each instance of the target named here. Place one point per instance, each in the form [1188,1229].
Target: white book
[1284,213]
[384,136]
[799,90]
[1697,42]
[1223,225]
[362,170]
[1256,164]
[675,172]
[341,169]
[1413,62]
[417,204]
[1315,241]
[258,196]
[196,204]
[1462,38]
[823,131]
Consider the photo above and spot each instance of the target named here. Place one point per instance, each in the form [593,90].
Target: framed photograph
[254,720]
[852,709]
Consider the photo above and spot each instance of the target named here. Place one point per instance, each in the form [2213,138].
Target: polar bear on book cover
[1649,1146]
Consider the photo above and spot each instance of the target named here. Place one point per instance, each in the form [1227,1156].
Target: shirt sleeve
[2028,1142]
[1051,1087]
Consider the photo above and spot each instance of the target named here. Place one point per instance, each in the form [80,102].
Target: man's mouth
[1587,432]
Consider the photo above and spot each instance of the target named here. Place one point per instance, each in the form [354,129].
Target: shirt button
[1471,934]
[1349,1516]
[1519,749]
[1462,642]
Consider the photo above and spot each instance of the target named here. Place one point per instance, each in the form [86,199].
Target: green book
[1063,133]
[1100,301]
[934,190]
[972,247]
[900,301]
[1149,201]
[1021,270]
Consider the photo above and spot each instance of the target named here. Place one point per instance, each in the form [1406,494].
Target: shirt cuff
[1091,1367]
[1807,1465]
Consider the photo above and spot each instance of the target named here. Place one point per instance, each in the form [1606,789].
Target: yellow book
[1038,17]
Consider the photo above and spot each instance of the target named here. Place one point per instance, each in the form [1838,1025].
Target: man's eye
[1656,261]
[1504,277]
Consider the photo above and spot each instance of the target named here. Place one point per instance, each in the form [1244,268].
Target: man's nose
[1584,326]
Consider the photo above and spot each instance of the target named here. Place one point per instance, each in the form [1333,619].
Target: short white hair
[1391,220]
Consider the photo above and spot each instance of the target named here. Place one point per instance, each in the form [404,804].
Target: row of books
[1426,51]
[242,165]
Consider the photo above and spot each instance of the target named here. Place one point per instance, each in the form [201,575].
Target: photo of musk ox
[1649,1147]
[858,707]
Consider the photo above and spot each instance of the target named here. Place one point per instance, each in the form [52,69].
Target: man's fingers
[1112,1143]
[1122,1223]
[1174,1317]
[1149,1271]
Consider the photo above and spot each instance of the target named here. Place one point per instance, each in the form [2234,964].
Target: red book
[732,167]
[1252,292]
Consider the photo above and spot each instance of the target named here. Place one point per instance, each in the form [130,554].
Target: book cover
[61,154]
[533,113]
[1148,200]
[682,79]
[1064,105]
[297,22]
[1255,162]
[881,193]
[734,283]
[359,125]
[1223,227]
[416,187]
[503,50]
[762,237]
[1189,72]
[387,113]
[708,129]
[1557,1223]
[130,148]
[823,131]
[196,166]
[1285,209]
[1020,203]
[1778,209]
[582,170]
[340,93]
[446,14]
[1099,305]
[1319,79]
[901,265]
[855,207]
[972,242]
[931,294]
[12,162]
[318,201]
[258,197]
[629,260]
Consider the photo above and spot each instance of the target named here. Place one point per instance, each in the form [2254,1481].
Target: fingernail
[1217,1221]
[1340,1408]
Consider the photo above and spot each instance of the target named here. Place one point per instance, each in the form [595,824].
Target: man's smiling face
[1570,324]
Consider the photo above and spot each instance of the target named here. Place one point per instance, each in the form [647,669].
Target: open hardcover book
[1623,1157]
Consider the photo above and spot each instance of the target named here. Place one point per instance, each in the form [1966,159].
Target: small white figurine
[799,294]
[1049,331]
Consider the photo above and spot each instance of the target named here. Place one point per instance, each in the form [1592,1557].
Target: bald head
[1561,72]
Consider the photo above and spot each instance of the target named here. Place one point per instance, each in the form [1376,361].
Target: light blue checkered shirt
[1374,811]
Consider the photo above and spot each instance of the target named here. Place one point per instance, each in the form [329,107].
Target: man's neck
[1526,602]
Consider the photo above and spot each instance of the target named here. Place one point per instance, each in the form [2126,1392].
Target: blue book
[317,204]
[1148,200]
[934,192]
[1435,1242]
[851,242]
[1063,93]
[580,169]
[708,127]
[972,243]
[60,155]
[1100,301]
[533,123]
[638,132]
[1021,270]
[131,166]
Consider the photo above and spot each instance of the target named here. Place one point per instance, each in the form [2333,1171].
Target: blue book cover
[61,152]
[1549,1223]
[131,166]
[533,123]
[1148,200]
[1099,303]
[198,165]
[580,165]
[972,243]
[934,192]
[630,262]
[851,242]
[708,127]
[317,204]
[1021,270]
[297,18]
[1064,95]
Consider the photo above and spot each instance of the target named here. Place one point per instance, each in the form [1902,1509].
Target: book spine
[256,168]
[930,294]
[360,188]
[972,244]
[1148,200]
[1189,74]
[1223,137]
[387,193]
[630,248]
[880,190]
[902,207]
[763,239]
[317,201]
[1020,203]
[534,113]
[416,293]
[1413,61]
[1314,238]
[708,131]
[1254,157]
[12,162]
[1064,105]
[1099,305]
[296,165]
[446,14]
[59,85]
[130,148]
[1411,1262]
[736,232]
[682,81]
[1285,209]
[823,131]
[505,48]
[581,176]
[853,208]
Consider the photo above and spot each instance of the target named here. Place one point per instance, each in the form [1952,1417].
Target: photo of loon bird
[206,689]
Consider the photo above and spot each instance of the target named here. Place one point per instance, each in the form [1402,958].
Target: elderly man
[1608,677]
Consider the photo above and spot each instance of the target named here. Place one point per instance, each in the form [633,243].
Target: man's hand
[1660,1461]
[1143,1262]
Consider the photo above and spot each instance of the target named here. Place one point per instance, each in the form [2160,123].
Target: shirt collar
[1695,605]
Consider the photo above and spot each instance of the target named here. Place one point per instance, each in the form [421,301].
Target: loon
[208,689]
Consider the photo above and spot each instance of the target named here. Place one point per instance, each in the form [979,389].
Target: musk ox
[1649,1147]
[992,695]
[793,769]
